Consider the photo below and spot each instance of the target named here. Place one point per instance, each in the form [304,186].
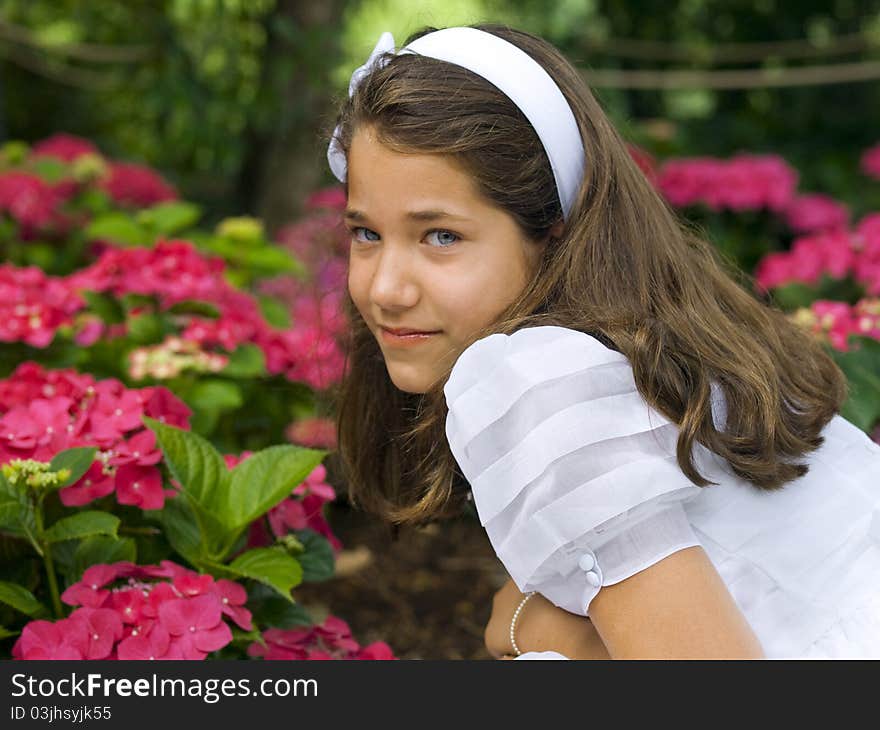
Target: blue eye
[446,238]
[354,232]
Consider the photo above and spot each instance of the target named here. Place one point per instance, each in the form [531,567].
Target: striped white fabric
[575,479]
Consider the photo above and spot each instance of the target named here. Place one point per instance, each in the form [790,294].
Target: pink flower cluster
[32,202]
[330,640]
[870,162]
[304,509]
[160,611]
[837,253]
[321,242]
[44,412]
[816,212]
[136,186]
[646,162]
[744,182]
[314,432]
[836,321]
[128,184]
[33,305]
[175,271]
[66,147]
[332,198]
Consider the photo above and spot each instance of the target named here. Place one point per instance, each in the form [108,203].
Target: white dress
[575,479]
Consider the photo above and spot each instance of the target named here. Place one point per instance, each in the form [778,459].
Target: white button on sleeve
[586,561]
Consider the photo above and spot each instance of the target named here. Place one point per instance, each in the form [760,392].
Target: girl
[654,453]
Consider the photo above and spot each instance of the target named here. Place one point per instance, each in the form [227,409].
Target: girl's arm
[540,626]
[678,608]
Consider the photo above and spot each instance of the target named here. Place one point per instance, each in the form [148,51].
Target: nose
[394,284]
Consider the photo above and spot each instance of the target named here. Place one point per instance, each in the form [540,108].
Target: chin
[409,384]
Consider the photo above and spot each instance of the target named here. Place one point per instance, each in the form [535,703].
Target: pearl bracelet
[513,621]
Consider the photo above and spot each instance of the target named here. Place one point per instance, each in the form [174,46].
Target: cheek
[484,290]
[359,286]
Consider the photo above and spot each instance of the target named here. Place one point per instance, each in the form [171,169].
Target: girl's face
[428,253]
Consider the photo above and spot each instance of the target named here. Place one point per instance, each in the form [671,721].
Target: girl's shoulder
[562,453]
[530,355]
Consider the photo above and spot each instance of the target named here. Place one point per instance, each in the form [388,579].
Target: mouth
[404,331]
[406,336]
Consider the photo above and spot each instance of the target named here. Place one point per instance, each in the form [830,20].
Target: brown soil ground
[428,594]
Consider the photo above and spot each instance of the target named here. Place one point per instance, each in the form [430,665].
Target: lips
[405,331]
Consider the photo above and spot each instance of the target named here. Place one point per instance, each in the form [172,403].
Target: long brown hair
[626,269]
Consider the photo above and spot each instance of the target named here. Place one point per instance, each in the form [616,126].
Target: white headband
[511,70]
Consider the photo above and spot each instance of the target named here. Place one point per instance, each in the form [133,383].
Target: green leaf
[270,566]
[170,218]
[51,169]
[83,524]
[6,633]
[269,609]
[264,479]
[118,228]
[318,562]
[274,312]
[861,364]
[105,306]
[213,394]
[78,460]
[272,260]
[144,329]
[16,510]
[193,306]
[21,599]
[194,463]
[182,530]
[102,549]
[794,295]
[246,361]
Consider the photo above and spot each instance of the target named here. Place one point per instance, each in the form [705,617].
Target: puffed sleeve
[573,474]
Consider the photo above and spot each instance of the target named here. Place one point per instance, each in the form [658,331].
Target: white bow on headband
[512,71]
[335,155]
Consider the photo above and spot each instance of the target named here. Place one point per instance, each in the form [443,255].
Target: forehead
[381,177]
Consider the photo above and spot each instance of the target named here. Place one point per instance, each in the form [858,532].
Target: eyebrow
[416,215]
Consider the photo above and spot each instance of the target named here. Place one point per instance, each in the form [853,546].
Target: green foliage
[861,364]
[271,566]
[20,599]
[221,503]
[83,524]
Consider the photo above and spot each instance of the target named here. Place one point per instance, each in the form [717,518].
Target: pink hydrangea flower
[835,320]
[94,484]
[870,162]
[130,611]
[313,432]
[66,147]
[195,625]
[140,486]
[98,629]
[47,640]
[33,306]
[332,198]
[744,182]
[833,253]
[330,640]
[816,212]
[645,160]
[83,412]
[136,185]
[30,201]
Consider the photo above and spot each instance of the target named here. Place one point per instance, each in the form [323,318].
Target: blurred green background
[228,97]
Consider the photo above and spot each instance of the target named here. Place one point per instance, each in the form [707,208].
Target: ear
[556,229]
